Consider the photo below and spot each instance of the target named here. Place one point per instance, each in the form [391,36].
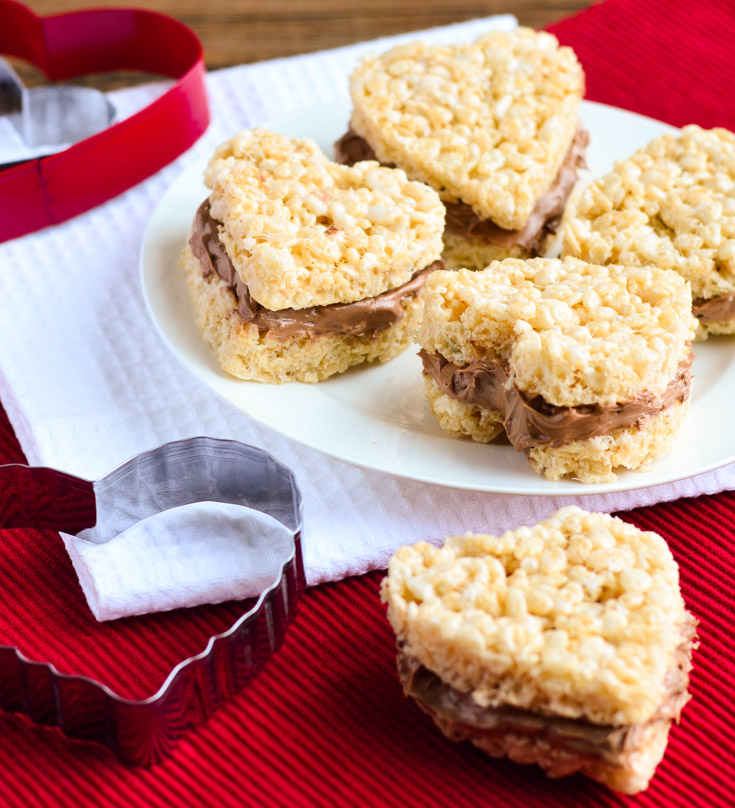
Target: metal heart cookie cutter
[175,474]
[52,116]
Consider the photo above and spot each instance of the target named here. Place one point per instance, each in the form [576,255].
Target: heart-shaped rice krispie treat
[490,125]
[670,205]
[586,368]
[300,267]
[565,644]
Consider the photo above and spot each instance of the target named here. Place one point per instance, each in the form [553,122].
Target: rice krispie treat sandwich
[585,368]
[492,126]
[670,205]
[566,644]
[299,267]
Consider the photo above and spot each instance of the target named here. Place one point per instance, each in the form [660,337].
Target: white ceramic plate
[376,415]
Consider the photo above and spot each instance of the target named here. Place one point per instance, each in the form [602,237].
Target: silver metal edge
[294,558]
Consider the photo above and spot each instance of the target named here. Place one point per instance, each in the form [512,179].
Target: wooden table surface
[237,31]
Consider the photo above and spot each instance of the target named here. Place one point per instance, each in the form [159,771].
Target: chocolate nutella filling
[351,148]
[368,316]
[465,719]
[462,219]
[714,309]
[532,422]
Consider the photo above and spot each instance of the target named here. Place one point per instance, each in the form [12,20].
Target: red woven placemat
[326,723]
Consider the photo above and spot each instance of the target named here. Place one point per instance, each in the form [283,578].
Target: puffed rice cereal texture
[630,775]
[577,616]
[591,460]
[466,253]
[722,328]
[303,231]
[572,332]
[671,205]
[488,123]
[245,353]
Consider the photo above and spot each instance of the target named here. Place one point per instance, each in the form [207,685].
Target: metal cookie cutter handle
[145,731]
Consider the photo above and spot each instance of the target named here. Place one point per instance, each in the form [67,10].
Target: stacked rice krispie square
[299,267]
[585,368]
[670,205]
[491,125]
[566,644]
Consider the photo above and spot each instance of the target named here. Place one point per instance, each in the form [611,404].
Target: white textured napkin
[206,552]
[87,382]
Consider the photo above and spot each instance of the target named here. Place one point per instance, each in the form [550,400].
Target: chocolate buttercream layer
[462,219]
[369,316]
[532,422]
[714,309]
[463,719]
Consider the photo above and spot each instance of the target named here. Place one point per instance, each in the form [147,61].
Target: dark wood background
[237,31]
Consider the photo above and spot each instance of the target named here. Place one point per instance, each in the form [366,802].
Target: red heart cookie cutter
[52,189]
